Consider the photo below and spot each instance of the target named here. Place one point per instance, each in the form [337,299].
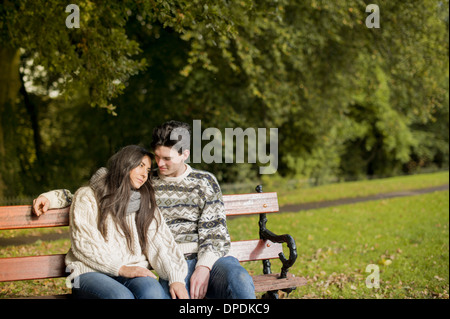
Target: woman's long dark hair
[113,194]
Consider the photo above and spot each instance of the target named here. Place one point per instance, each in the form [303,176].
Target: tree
[348,100]
[97,58]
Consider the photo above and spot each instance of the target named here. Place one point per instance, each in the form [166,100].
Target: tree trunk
[9,89]
[32,111]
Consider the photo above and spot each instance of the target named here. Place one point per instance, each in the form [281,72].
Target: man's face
[169,161]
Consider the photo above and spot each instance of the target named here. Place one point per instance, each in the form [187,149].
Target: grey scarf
[135,198]
[134,203]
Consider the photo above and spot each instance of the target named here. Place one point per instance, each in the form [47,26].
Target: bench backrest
[17,217]
[51,266]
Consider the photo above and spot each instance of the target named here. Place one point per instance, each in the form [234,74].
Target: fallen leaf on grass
[385,262]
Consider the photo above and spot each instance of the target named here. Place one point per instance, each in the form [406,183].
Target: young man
[191,203]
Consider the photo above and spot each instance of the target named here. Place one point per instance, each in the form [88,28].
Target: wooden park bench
[268,246]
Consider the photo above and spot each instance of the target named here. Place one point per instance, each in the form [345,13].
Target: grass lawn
[406,238]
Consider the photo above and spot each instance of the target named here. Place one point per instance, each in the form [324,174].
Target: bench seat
[268,246]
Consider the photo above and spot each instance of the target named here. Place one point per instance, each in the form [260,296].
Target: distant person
[117,232]
[192,205]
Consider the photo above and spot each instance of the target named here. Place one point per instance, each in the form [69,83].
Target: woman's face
[139,174]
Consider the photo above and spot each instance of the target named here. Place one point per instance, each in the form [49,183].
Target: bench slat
[262,283]
[255,203]
[270,282]
[16,217]
[32,267]
[248,250]
[52,266]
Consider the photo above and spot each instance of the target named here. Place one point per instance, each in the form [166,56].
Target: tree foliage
[349,101]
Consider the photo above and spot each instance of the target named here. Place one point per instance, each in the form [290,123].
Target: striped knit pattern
[193,208]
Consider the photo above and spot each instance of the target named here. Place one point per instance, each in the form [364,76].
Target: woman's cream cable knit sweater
[90,252]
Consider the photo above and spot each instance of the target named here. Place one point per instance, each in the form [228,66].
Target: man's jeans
[95,285]
[227,280]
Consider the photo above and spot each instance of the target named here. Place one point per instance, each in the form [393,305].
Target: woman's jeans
[227,280]
[95,285]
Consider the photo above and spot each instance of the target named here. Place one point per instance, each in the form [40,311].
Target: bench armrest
[265,234]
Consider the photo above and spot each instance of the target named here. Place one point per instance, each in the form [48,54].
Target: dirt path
[344,201]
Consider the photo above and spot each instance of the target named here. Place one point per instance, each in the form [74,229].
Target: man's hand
[135,271]
[40,205]
[178,291]
[199,282]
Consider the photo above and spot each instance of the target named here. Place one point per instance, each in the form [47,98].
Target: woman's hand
[135,271]
[178,291]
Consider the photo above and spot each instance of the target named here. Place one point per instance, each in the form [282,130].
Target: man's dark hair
[172,133]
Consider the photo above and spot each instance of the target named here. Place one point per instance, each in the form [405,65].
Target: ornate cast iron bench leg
[266,234]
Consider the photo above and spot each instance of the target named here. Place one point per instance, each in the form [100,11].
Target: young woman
[117,232]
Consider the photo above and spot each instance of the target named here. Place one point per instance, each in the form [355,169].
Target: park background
[351,103]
